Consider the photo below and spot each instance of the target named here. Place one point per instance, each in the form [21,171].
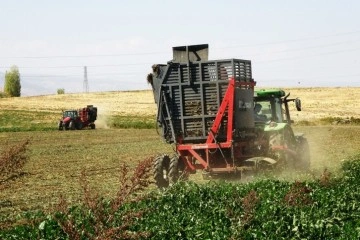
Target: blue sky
[290,43]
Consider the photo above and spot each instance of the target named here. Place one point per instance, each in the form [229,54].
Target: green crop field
[58,159]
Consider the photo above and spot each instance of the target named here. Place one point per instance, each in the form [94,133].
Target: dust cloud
[103,115]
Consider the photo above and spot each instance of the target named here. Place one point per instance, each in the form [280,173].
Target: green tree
[60,91]
[12,86]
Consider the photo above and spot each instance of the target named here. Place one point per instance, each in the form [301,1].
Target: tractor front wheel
[60,125]
[161,169]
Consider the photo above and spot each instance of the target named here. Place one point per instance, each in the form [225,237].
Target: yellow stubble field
[316,102]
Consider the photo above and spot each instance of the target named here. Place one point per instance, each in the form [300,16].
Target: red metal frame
[189,151]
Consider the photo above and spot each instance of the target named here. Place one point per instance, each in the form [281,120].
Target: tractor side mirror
[298,104]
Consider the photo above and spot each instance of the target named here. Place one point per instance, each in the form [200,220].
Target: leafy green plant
[351,169]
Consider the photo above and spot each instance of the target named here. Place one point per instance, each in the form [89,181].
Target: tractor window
[262,111]
[71,114]
[278,110]
[270,109]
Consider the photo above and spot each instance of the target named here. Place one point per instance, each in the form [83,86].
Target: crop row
[326,208]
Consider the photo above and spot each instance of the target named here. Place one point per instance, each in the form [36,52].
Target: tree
[60,91]
[12,86]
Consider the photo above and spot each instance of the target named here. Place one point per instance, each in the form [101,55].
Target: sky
[308,43]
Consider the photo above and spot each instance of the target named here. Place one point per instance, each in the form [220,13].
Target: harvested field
[109,103]
[317,102]
[326,102]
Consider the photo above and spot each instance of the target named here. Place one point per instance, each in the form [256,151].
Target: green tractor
[271,112]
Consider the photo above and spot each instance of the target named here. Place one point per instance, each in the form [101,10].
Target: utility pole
[86,83]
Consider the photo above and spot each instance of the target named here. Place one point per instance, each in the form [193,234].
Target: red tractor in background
[78,119]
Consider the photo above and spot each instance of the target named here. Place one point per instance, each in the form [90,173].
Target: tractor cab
[272,108]
[73,114]
[78,119]
[272,105]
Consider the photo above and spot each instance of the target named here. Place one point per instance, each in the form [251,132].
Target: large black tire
[161,169]
[79,125]
[60,125]
[72,125]
[92,126]
[176,170]
[303,161]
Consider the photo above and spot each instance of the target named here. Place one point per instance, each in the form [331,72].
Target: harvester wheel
[173,170]
[161,170]
[92,126]
[177,170]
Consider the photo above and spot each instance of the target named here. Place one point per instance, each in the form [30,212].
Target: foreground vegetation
[326,208]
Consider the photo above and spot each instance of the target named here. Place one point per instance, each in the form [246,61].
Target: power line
[149,64]
[78,75]
[291,40]
[81,66]
[314,55]
[310,47]
[86,56]
[86,83]
[153,53]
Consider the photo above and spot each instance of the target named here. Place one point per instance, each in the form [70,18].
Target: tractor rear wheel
[161,168]
[79,125]
[285,159]
[72,125]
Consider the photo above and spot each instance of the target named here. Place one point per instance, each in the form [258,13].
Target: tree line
[12,84]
